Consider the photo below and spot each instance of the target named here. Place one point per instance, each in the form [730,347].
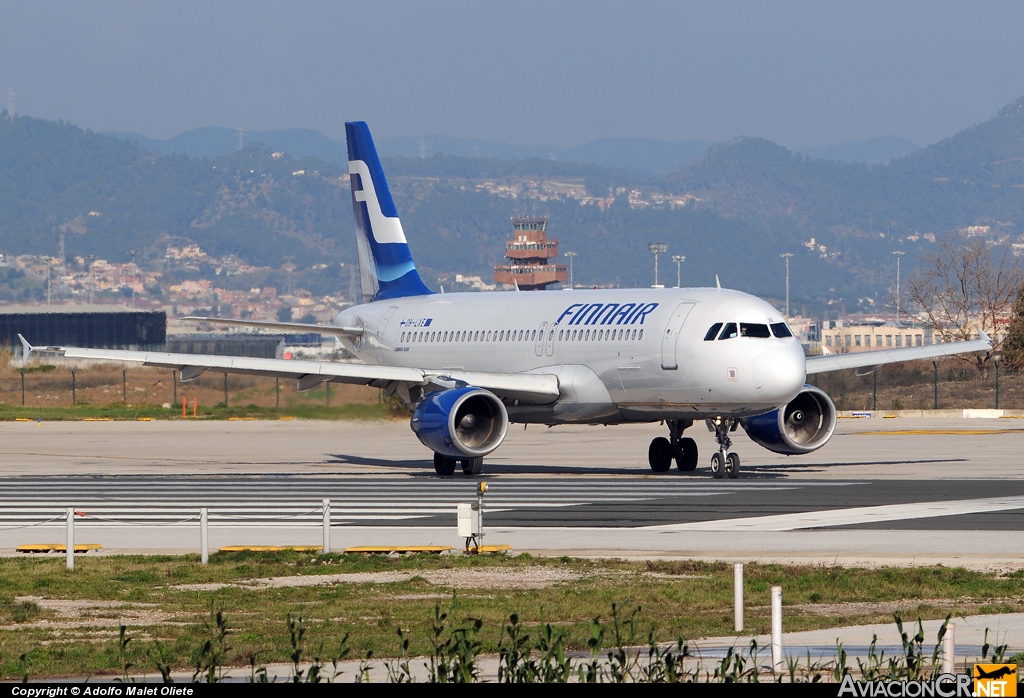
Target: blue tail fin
[385,263]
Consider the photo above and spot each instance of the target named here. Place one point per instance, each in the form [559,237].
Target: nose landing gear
[723,463]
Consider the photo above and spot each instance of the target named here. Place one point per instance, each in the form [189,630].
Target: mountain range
[641,156]
[731,211]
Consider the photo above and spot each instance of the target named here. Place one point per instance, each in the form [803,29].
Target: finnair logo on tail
[383,228]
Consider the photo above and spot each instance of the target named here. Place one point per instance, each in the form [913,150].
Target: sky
[525,72]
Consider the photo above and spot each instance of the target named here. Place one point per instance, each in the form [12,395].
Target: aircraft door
[539,348]
[381,327]
[670,338]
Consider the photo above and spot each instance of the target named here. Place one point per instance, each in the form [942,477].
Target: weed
[212,652]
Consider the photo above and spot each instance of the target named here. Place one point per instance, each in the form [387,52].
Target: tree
[967,285]
[1013,342]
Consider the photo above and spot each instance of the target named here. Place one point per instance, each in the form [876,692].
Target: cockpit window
[753,329]
[729,331]
[780,330]
[713,332]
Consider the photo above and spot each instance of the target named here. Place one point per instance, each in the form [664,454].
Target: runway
[892,492]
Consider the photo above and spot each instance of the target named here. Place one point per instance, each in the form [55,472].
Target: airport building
[104,327]
[838,336]
[529,253]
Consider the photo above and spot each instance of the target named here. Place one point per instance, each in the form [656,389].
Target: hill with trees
[732,212]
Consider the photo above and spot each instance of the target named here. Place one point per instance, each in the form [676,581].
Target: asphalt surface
[882,491]
[293,500]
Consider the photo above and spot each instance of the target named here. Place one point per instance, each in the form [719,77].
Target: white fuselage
[620,355]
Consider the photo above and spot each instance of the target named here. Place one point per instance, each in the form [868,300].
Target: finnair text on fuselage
[607,313]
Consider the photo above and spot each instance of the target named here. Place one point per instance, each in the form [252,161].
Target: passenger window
[533,336]
[754,329]
[713,332]
[729,331]
[780,330]
[641,335]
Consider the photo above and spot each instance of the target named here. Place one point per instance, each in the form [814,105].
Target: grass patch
[129,412]
[168,599]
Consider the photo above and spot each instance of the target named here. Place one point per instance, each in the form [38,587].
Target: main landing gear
[445,466]
[677,447]
[723,463]
[684,449]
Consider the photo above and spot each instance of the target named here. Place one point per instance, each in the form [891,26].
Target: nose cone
[779,373]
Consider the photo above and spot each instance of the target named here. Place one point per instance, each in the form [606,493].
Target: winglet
[718,284]
[26,348]
[981,335]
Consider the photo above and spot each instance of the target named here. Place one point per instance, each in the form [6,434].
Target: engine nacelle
[804,425]
[461,422]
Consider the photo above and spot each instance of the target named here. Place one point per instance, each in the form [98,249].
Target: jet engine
[802,426]
[461,422]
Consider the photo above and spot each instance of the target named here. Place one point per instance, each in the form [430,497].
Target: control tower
[529,253]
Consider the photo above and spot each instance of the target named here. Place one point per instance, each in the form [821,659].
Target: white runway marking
[848,517]
[295,501]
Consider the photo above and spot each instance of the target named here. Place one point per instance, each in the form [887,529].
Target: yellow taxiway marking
[957,432]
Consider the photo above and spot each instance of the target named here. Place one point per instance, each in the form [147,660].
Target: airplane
[469,364]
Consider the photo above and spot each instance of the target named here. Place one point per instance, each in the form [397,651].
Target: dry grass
[911,386]
[107,384]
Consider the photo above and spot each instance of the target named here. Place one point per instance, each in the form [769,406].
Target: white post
[737,581]
[70,542]
[204,535]
[949,649]
[777,660]
[327,526]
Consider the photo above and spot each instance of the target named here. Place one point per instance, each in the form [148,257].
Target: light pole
[92,281]
[679,259]
[570,255]
[786,256]
[656,248]
[898,254]
[133,253]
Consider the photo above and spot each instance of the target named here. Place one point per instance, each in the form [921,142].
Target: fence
[201,518]
[48,385]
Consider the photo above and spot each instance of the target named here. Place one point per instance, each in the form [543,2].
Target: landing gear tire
[659,455]
[687,456]
[443,465]
[472,466]
[732,465]
[717,466]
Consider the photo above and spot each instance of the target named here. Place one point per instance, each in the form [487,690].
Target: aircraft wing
[528,387]
[873,359]
[293,327]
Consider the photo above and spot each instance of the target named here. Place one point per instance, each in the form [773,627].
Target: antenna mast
[11,99]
